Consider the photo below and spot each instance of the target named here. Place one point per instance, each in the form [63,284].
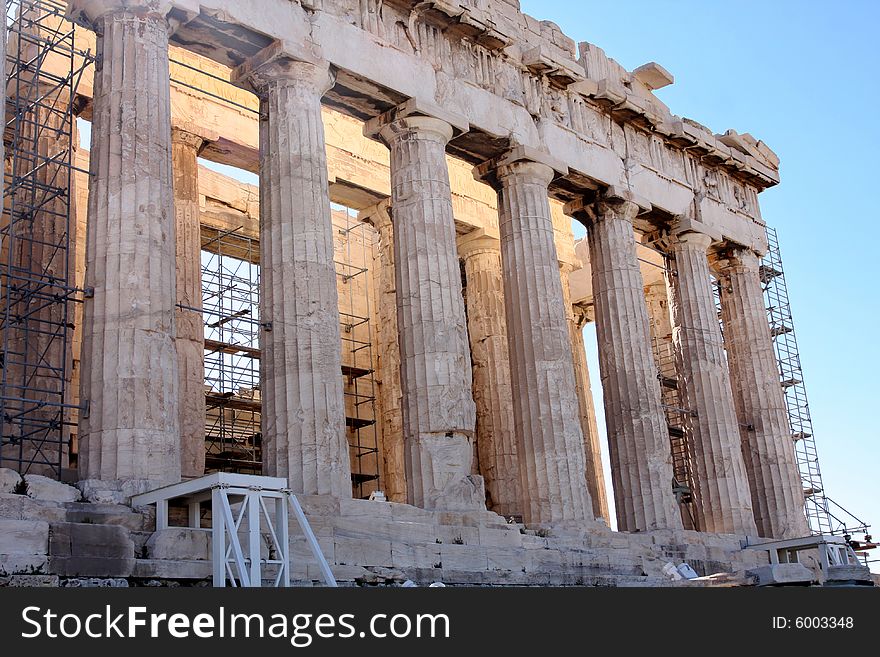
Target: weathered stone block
[534,542]
[90,550]
[543,560]
[300,550]
[163,569]
[500,537]
[406,555]
[506,558]
[43,488]
[30,581]
[24,537]
[364,508]
[463,557]
[9,480]
[179,543]
[23,564]
[95,583]
[362,552]
[782,574]
[409,513]
[319,505]
[105,514]
[848,574]
[449,534]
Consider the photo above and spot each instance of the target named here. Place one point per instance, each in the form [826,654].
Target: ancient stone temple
[392,320]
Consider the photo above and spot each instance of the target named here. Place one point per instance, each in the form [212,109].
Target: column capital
[692,240]
[89,12]
[732,258]
[521,160]
[275,62]
[377,215]
[415,115]
[477,242]
[602,209]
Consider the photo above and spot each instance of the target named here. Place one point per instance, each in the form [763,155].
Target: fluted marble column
[550,444]
[657,298]
[190,339]
[438,409]
[768,448]
[641,461]
[722,489]
[130,430]
[303,418]
[577,320]
[493,395]
[390,411]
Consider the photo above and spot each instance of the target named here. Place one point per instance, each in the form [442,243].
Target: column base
[443,462]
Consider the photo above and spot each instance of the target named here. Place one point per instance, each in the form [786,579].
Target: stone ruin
[465,136]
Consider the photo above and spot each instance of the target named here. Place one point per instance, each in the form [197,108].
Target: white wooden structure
[256,507]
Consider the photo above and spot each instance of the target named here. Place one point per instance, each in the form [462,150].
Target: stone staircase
[53,542]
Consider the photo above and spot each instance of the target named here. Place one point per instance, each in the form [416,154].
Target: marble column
[657,299]
[303,418]
[550,443]
[390,396]
[641,461]
[129,430]
[438,409]
[493,395]
[190,339]
[722,489]
[768,448]
[577,320]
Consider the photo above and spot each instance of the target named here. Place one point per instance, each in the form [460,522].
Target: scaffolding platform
[240,503]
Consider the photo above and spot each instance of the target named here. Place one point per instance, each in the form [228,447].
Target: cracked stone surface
[438,409]
[549,438]
[768,448]
[303,418]
[190,336]
[131,429]
[390,395]
[722,489]
[641,461]
[487,329]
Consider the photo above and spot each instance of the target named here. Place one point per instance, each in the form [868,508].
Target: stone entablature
[517,80]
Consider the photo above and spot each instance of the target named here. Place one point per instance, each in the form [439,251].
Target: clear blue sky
[802,76]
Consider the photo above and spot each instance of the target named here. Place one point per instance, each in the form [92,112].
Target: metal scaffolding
[683,485]
[825,516]
[230,302]
[358,241]
[38,228]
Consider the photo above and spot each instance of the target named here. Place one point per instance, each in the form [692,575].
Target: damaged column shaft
[722,487]
[438,409]
[131,428]
[487,329]
[190,339]
[549,439]
[577,319]
[767,443]
[389,394]
[641,461]
[303,419]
